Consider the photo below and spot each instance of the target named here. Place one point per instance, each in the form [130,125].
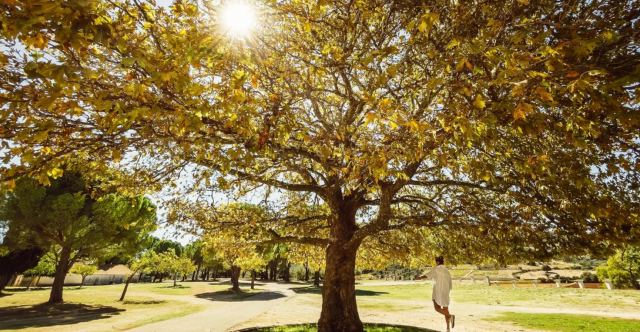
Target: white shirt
[441,285]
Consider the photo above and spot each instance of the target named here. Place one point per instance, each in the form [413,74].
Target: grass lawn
[568,323]
[588,299]
[94,308]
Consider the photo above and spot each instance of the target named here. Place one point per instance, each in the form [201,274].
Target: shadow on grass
[241,283]
[318,290]
[368,327]
[40,315]
[175,287]
[10,290]
[231,296]
[146,302]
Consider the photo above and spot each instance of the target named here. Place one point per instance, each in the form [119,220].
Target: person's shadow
[40,315]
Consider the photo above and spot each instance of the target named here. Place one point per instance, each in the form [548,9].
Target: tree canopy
[64,218]
[515,122]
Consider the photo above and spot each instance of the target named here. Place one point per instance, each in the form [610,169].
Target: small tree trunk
[316,278]
[82,282]
[30,283]
[197,271]
[286,275]
[175,279]
[306,271]
[126,286]
[253,278]
[4,280]
[235,275]
[61,272]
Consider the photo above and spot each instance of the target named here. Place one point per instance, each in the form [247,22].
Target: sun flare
[238,19]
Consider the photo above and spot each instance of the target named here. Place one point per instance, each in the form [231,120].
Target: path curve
[220,315]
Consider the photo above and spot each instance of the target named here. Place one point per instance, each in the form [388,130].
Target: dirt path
[222,315]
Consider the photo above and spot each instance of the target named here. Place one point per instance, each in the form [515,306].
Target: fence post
[581,283]
[513,283]
[608,283]
[557,283]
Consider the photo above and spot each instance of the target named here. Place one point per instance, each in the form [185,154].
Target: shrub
[622,269]
[546,268]
[589,277]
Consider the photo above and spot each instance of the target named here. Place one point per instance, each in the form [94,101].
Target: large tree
[514,122]
[64,218]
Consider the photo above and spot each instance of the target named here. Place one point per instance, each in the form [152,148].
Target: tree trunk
[273,270]
[61,272]
[175,279]
[196,273]
[316,278]
[253,278]
[286,275]
[126,286]
[235,275]
[339,308]
[4,280]
[82,282]
[306,271]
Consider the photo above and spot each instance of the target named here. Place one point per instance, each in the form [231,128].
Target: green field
[589,299]
[569,323]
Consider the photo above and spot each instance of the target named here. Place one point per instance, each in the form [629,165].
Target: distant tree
[163,245]
[213,263]
[46,268]
[312,259]
[194,251]
[236,254]
[145,262]
[623,268]
[67,219]
[84,270]
[170,263]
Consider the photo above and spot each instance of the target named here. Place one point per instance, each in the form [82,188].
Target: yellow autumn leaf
[55,172]
[413,125]
[385,103]
[370,117]
[422,27]
[521,111]
[453,43]
[479,102]
[543,94]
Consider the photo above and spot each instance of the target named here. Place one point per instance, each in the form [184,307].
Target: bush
[589,277]
[546,268]
[623,268]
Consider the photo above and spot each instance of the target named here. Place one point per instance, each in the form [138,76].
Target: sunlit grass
[568,323]
[138,309]
[588,299]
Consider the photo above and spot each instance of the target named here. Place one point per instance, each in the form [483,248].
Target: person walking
[441,287]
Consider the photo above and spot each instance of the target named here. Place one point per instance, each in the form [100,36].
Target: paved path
[220,315]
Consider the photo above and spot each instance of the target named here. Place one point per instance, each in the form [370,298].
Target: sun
[238,19]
